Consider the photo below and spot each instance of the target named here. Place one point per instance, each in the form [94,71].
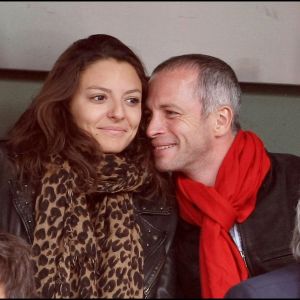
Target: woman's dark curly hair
[47,127]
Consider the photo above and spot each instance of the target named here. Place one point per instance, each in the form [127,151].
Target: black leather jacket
[157,222]
[265,235]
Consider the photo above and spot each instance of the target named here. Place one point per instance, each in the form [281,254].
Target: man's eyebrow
[168,106]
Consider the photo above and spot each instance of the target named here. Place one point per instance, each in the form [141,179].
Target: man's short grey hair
[217,84]
[295,244]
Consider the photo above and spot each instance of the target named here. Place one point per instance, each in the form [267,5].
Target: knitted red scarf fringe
[216,209]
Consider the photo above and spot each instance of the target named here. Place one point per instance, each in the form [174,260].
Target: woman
[82,188]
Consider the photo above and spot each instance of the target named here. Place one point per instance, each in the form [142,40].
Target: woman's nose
[116,110]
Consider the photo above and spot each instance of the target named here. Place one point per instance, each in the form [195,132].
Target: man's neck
[207,170]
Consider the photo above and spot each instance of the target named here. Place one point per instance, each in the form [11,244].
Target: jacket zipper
[242,247]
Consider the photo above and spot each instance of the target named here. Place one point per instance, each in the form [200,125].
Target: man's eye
[147,115]
[133,101]
[170,113]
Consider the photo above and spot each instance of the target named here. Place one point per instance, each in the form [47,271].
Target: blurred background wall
[260,40]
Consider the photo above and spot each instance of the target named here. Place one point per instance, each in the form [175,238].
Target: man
[16,269]
[236,201]
[281,283]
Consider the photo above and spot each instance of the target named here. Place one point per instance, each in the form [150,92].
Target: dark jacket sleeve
[167,286]
[167,283]
[158,221]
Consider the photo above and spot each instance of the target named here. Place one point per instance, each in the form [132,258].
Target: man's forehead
[175,72]
[168,82]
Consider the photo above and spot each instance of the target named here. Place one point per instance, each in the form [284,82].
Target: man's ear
[223,120]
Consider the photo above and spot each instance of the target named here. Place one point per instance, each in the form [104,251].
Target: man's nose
[155,126]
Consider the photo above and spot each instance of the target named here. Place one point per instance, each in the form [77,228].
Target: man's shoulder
[285,159]
[284,165]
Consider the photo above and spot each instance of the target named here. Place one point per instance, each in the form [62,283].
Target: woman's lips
[113,130]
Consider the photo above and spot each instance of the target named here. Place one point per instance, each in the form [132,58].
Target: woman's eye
[99,98]
[133,101]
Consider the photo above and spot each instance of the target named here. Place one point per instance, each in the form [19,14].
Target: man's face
[182,138]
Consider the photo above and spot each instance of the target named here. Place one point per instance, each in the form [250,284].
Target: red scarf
[216,209]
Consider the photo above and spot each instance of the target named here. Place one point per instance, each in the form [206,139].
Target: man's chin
[162,167]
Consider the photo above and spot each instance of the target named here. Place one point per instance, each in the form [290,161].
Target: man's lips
[163,146]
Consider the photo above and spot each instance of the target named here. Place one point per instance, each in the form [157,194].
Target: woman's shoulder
[3,153]
[6,165]
[3,149]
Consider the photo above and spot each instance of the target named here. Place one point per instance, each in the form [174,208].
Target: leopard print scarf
[89,246]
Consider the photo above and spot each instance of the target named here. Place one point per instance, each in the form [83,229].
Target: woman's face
[2,291]
[107,103]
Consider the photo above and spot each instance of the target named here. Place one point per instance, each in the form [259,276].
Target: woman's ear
[223,120]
